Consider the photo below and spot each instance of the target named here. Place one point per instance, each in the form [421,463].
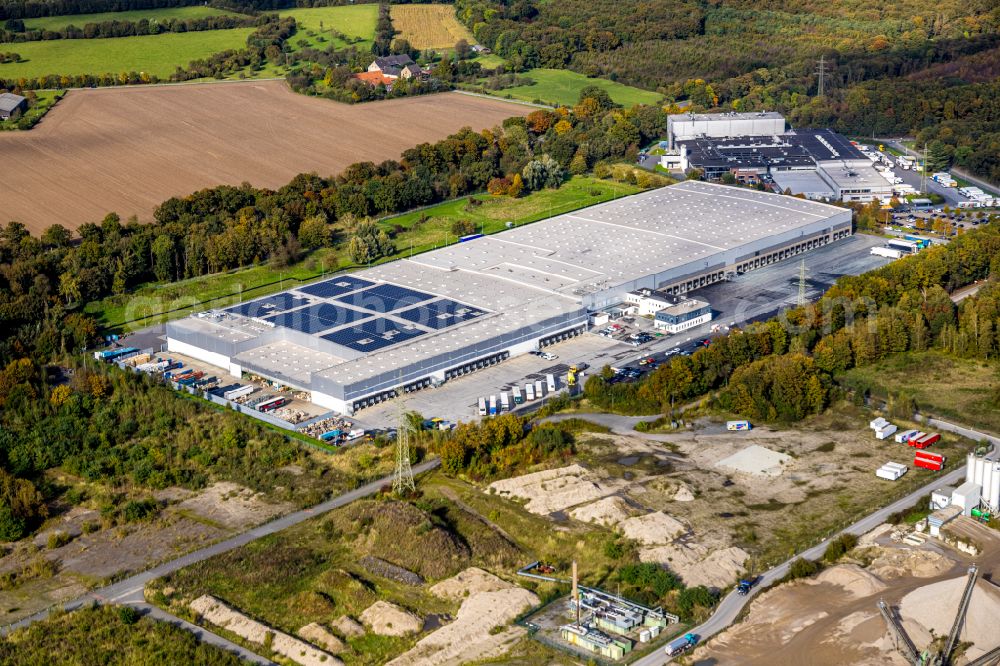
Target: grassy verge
[561,86]
[159,55]
[951,388]
[432,227]
[152,15]
[415,232]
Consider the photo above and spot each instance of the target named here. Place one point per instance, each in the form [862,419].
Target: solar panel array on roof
[335,287]
[317,317]
[440,314]
[385,298]
[373,335]
[263,307]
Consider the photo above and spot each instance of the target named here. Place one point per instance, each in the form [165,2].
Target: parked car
[548,356]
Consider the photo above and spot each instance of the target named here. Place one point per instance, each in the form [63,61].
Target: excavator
[943,658]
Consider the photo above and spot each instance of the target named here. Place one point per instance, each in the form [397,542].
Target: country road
[730,607]
[129,591]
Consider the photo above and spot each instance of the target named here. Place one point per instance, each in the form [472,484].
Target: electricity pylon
[402,478]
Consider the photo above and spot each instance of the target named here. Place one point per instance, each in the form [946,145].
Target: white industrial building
[353,339]
[690,125]
[984,473]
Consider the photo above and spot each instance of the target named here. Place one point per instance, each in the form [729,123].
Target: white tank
[986,473]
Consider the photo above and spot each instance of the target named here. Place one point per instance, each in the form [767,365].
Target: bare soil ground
[833,618]
[129,149]
[711,504]
[475,634]
[191,521]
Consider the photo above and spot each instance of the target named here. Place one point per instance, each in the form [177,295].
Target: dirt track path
[129,149]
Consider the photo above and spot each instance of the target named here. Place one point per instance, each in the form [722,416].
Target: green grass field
[954,389]
[561,86]
[80,20]
[431,227]
[159,55]
[353,21]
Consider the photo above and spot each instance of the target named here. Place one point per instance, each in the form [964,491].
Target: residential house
[396,67]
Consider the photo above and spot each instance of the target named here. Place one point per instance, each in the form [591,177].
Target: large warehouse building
[351,340]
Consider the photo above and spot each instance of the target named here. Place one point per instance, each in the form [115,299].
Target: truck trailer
[924,441]
[518,399]
[529,391]
[737,425]
[885,432]
[482,406]
[928,460]
[891,471]
[904,436]
[504,401]
[887,252]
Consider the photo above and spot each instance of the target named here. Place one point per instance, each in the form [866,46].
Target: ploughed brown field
[128,149]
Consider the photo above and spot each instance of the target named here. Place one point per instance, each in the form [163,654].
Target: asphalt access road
[129,591]
[730,607]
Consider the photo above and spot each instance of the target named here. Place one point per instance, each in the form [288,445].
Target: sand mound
[218,613]
[932,608]
[232,505]
[556,489]
[473,635]
[347,627]
[317,634]
[653,529]
[388,619]
[684,494]
[696,565]
[919,562]
[466,583]
[756,460]
[854,580]
[608,511]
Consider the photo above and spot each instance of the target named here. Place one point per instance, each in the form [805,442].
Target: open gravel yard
[128,149]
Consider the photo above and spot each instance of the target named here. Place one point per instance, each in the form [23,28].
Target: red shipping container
[928,464]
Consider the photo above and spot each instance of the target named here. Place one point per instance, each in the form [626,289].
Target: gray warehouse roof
[526,279]
[732,115]
[10,101]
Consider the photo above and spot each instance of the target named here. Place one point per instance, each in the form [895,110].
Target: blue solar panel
[269,305]
[335,287]
[373,335]
[440,314]
[385,298]
[317,317]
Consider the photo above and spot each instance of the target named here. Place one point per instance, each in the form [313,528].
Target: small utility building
[11,104]
[689,313]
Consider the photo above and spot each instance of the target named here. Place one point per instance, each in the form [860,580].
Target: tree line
[15,32]
[783,369]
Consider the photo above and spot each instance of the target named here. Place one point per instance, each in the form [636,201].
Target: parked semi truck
[529,391]
[504,401]
[518,399]
[482,406]
[681,645]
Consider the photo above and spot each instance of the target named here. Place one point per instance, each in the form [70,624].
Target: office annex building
[353,339]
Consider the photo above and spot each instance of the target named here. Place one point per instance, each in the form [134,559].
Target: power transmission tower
[821,72]
[402,479]
[802,283]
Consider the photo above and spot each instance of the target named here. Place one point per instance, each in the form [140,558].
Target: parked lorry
[551,381]
[518,398]
[681,645]
[493,405]
[482,406]
[504,401]
[904,437]
[539,389]
[529,391]
[738,425]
